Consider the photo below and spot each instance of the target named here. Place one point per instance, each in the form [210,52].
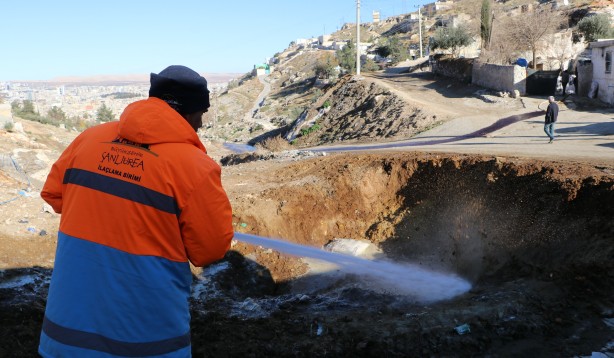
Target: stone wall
[458,68]
[499,77]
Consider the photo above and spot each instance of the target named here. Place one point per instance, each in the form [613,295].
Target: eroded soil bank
[534,238]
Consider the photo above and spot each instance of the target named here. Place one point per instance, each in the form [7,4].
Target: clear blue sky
[44,39]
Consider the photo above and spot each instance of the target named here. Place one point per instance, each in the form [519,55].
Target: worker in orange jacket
[140,199]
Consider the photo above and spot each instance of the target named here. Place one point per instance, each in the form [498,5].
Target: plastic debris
[32,230]
[316,328]
[463,329]
[243,225]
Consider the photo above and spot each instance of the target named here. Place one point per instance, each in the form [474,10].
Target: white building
[438,6]
[601,57]
[376,17]
[339,45]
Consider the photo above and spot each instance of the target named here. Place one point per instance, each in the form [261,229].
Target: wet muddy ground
[533,238]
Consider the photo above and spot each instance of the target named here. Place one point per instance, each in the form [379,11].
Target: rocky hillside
[309,113]
[292,103]
[362,111]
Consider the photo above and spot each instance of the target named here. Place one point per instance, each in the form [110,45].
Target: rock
[18,127]
[47,208]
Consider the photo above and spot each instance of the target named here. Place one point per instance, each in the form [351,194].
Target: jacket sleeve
[53,188]
[206,220]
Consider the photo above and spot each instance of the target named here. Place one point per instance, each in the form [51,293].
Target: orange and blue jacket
[139,199]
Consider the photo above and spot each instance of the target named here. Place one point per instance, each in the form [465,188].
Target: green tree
[595,27]
[529,30]
[325,68]
[25,110]
[27,107]
[392,48]
[451,38]
[486,23]
[15,107]
[104,114]
[56,114]
[347,57]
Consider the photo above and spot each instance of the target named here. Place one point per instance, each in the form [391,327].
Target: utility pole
[420,29]
[357,37]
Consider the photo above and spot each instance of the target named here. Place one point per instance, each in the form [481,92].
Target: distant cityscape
[83,100]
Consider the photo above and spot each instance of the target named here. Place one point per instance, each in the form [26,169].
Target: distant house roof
[602,43]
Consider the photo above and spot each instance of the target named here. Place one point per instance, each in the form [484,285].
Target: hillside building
[437,6]
[602,53]
[261,69]
[376,17]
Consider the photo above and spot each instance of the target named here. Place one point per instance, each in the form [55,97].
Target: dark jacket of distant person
[552,112]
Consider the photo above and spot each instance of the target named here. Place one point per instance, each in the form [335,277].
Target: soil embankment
[535,238]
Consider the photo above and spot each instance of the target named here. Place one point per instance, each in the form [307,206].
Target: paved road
[476,127]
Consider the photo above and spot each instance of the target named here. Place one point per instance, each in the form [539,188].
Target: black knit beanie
[182,88]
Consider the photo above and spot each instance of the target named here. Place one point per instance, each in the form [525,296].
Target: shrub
[370,66]
[316,95]
[9,126]
[325,69]
[390,47]
[307,131]
[274,144]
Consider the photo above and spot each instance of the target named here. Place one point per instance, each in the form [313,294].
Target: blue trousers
[549,129]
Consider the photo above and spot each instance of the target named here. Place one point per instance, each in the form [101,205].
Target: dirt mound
[362,111]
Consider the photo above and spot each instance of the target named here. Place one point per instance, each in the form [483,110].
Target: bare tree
[561,50]
[502,49]
[529,29]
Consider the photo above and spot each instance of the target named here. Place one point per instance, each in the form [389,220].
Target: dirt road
[582,133]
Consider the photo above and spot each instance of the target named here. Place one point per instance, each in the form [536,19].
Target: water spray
[400,278]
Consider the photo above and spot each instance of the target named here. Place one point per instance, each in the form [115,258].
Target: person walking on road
[552,113]
[140,200]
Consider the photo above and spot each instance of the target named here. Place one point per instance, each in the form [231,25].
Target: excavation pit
[534,239]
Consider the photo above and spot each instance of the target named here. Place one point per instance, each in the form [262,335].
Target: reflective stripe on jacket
[139,199]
